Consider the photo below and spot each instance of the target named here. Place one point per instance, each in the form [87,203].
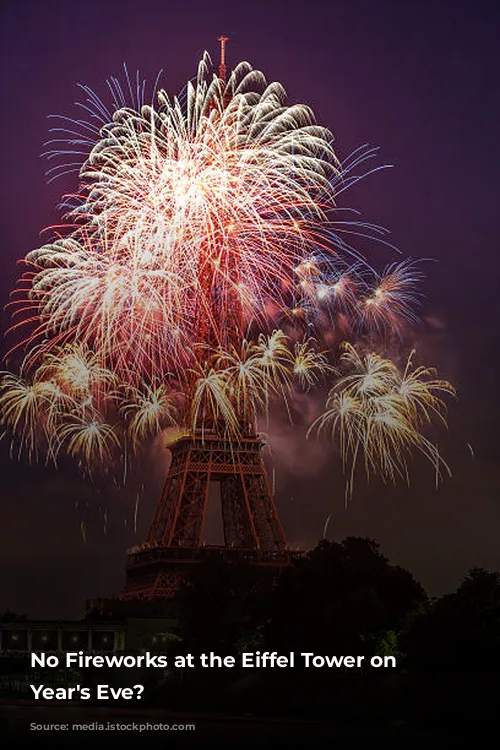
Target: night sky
[420,80]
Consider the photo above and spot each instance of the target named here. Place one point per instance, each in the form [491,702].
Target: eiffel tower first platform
[252,529]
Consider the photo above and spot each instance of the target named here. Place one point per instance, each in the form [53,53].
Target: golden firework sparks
[376,412]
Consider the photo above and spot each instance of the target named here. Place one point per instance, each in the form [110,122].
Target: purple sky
[420,80]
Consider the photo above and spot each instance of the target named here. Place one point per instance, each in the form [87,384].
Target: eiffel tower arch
[252,529]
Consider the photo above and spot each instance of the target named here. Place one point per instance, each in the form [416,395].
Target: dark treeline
[339,599]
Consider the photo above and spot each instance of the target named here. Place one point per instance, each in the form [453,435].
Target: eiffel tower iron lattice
[252,529]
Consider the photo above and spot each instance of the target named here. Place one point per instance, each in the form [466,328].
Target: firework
[22,407]
[245,384]
[148,410]
[76,371]
[391,302]
[376,412]
[201,275]
[309,365]
[189,224]
[89,439]
[211,405]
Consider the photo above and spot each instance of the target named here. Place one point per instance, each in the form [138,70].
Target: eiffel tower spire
[222,64]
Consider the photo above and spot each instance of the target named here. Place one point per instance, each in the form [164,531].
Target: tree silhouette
[342,598]
[460,631]
[223,606]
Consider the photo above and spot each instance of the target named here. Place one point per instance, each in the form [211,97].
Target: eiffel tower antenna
[222,65]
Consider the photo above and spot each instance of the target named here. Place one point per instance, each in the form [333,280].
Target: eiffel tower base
[252,530]
[158,573]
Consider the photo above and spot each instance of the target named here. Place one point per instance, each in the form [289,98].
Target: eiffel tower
[252,530]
